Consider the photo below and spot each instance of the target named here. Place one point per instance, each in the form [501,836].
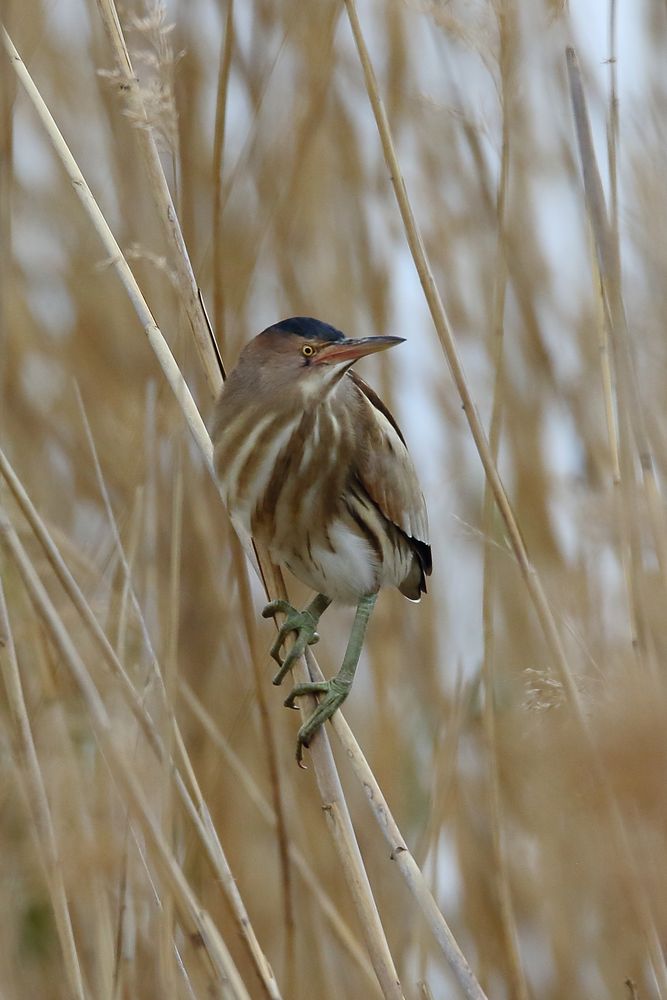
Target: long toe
[336,693]
[303,625]
[309,687]
[278,607]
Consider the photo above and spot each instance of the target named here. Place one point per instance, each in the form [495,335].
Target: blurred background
[278,177]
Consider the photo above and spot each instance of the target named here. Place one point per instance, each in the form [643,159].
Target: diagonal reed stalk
[193,915]
[527,569]
[326,774]
[191,800]
[328,782]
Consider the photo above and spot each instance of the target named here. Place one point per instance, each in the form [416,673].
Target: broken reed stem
[327,777]
[30,778]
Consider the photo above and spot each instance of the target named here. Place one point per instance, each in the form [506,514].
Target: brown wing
[388,477]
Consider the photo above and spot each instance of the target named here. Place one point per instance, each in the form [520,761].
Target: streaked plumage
[316,468]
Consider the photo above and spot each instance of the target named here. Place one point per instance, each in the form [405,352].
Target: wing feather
[388,476]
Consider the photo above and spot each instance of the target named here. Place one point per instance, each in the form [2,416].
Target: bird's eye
[307,351]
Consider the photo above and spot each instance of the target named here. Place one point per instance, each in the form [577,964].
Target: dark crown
[309,329]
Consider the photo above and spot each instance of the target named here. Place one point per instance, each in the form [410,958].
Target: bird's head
[302,350]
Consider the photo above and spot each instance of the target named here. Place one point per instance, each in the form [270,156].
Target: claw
[335,692]
[300,622]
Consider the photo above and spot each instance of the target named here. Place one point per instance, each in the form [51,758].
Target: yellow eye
[307,351]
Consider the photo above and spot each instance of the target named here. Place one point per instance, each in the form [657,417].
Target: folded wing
[388,477]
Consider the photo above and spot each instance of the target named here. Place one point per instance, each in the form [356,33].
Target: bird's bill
[354,348]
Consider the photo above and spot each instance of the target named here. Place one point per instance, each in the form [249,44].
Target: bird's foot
[303,623]
[335,692]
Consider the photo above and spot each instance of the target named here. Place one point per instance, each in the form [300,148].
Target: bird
[313,465]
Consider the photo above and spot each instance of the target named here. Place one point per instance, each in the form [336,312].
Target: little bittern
[313,465]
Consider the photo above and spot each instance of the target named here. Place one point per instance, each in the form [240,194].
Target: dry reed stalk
[131,91]
[405,861]
[506,17]
[327,778]
[218,151]
[32,783]
[167,965]
[192,913]
[209,838]
[607,254]
[328,781]
[338,925]
[159,345]
[606,240]
[196,810]
[528,571]
[446,337]
[266,726]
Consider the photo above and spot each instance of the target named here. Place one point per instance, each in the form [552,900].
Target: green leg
[337,689]
[303,623]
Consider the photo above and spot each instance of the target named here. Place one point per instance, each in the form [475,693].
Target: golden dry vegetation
[515,720]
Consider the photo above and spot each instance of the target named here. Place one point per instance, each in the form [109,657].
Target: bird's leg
[303,623]
[337,689]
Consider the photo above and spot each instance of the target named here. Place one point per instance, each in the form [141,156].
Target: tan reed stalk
[651,487]
[264,970]
[31,781]
[129,86]
[528,571]
[218,151]
[405,861]
[168,969]
[338,925]
[266,723]
[326,774]
[446,337]
[197,814]
[606,241]
[120,265]
[506,20]
[193,915]
[609,270]
[328,781]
